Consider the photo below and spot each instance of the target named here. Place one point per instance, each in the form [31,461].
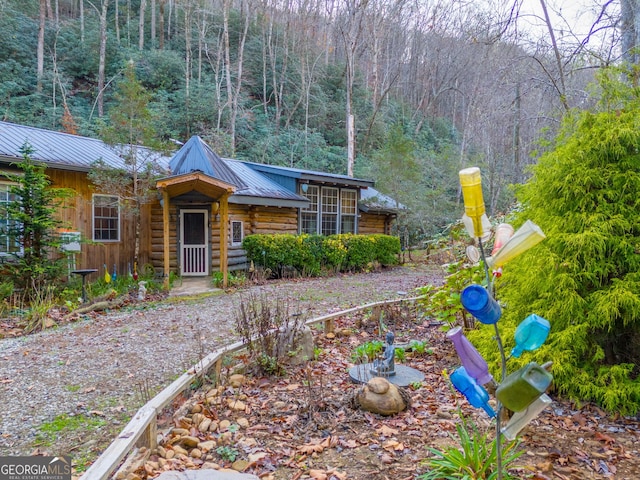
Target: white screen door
[194,260]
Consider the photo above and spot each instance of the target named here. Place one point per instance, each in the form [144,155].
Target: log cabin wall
[369,223]
[255,219]
[156,237]
[77,216]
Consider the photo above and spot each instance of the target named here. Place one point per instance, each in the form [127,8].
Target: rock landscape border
[141,429]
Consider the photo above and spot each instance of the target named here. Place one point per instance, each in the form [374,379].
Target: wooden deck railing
[141,431]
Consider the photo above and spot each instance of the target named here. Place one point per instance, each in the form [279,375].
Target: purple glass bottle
[475,366]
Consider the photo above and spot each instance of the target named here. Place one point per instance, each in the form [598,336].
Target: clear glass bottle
[521,419]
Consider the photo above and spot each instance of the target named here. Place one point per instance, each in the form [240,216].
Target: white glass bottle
[522,418]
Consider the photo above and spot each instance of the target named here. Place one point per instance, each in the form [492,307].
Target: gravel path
[99,367]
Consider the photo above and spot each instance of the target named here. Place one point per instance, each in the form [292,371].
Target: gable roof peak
[196,156]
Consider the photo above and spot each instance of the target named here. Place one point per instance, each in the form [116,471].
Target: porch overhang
[194,181]
[177,185]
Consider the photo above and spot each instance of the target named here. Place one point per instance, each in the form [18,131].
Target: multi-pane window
[329,211]
[106,218]
[8,243]
[348,211]
[309,215]
[236,233]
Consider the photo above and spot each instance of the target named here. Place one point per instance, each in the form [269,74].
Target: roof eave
[267,201]
[303,175]
[356,182]
[47,163]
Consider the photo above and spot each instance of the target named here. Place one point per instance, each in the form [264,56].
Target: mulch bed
[304,425]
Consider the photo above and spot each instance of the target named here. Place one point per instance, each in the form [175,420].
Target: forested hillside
[432,87]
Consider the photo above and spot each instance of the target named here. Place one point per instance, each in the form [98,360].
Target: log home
[201,199]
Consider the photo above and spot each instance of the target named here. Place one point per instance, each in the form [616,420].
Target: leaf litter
[303,425]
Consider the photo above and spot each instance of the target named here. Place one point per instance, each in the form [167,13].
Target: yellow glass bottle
[471,182]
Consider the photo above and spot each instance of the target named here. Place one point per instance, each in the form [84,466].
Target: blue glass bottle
[479,303]
[530,334]
[475,394]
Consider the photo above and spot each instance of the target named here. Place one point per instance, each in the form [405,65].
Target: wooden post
[328,325]
[149,437]
[165,232]
[218,370]
[224,220]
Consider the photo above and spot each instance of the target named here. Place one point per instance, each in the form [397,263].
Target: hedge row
[312,254]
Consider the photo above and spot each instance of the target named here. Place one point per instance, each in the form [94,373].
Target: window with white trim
[348,211]
[309,215]
[237,233]
[8,243]
[329,211]
[106,218]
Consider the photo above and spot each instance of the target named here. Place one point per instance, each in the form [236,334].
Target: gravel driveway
[99,367]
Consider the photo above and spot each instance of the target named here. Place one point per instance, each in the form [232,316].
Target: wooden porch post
[165,233]
[224,220]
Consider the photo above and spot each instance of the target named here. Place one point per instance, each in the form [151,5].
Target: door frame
[206,245]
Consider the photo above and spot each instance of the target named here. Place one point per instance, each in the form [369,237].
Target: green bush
[584,278]
[310,254]
[387,248]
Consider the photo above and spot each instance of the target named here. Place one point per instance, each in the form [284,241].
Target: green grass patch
[63,425]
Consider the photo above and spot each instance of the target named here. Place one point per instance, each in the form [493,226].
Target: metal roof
[258,186]
[74,152]
[63,150]
[197,156]
[253,188]
[371,200]
[311,175]
[55,148]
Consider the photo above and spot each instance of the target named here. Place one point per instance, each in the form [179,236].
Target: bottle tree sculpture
[523,391]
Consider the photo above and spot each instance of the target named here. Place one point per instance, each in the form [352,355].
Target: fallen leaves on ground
[303,426]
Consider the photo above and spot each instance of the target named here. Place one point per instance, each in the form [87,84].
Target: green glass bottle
[523,387]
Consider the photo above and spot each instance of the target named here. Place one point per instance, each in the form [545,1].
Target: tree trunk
[82,22]
[117,22]
[351,34]
[103,53]
[161,42]
[40,51]
[187,67]
[49,9]
[128,23]
[559,85]
[153,22]
[236,99]
[227,65]
[630,30]
[516,136]
[143,6]
[202,32]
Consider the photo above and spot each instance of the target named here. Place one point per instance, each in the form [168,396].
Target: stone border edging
[141,429]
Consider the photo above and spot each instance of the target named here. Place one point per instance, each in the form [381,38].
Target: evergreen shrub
[585,277]
[311,254]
